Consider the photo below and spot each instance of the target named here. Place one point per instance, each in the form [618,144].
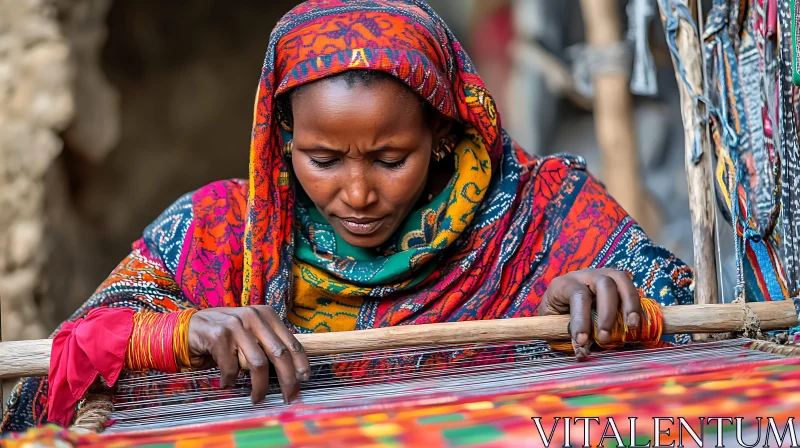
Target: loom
[372,386]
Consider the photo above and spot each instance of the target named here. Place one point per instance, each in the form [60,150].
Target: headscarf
[323,38]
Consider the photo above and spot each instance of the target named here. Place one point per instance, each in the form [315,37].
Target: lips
[361,226]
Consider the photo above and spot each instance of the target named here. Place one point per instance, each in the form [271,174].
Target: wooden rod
[702,206]
[32,358]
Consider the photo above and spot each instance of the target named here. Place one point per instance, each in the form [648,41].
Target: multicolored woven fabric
[509,224]
[702,388]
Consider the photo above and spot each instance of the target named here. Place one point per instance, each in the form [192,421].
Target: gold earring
[446,146]
[287,148]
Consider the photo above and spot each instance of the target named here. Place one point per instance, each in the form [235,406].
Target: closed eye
[392,165]
[327,163]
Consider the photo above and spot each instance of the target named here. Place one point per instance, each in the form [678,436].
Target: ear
[442,126]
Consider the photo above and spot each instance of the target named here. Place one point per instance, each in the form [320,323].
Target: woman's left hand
[576,292]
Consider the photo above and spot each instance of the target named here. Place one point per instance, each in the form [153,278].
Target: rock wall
[43,56]
[51,89]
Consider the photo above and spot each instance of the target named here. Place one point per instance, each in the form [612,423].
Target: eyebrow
[319,148]
[377,149]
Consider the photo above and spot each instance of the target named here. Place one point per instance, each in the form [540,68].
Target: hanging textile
[753,126]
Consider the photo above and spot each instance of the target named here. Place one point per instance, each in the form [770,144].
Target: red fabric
[772,18]
[82,350]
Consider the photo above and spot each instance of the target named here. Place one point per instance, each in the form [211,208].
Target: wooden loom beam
[32,358]
[701,190]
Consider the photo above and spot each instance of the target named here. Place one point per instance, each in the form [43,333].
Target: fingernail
[603,335]
[306,376]
[633,320]
[299,376]
[582,339]
[581,353]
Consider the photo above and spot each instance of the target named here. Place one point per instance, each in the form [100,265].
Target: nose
[358,192]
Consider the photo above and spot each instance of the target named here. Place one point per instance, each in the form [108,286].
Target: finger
[554,300]
[580,307]
[277,352]
[296,350]
[605,290]
[631,301]
[581,352]
[257,362]
[224,353]
[200,343]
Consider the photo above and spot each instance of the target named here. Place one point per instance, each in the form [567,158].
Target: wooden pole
[32,358]
[701,190]
[613,116]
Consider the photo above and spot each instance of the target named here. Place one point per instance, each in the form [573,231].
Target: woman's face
[361,153]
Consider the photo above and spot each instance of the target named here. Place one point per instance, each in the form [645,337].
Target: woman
[383,191]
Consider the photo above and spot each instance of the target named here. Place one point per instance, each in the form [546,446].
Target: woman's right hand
[220,336]
[576,293]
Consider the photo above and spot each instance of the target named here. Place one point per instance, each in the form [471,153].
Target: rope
[93,412]
[751,327]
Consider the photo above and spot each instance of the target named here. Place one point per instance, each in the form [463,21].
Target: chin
[369,241]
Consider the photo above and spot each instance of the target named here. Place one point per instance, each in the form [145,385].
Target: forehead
[334,105]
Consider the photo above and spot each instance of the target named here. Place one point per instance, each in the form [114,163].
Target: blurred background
[111,109]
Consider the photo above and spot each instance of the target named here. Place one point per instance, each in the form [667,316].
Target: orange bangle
[180,342]
[159,341]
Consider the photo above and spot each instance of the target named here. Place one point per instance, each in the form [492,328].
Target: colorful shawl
[487,247]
